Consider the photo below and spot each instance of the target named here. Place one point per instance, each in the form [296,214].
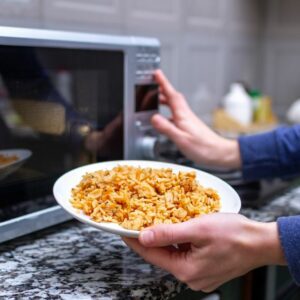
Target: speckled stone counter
[74,261]
[284,204]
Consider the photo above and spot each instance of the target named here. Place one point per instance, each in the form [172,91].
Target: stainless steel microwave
[68,99]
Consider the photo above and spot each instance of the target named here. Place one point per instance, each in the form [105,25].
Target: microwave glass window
[146,97]
[64,107]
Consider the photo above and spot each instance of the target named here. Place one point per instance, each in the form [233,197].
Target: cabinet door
[89,15]
[204,15]
[20,13]
[156,14]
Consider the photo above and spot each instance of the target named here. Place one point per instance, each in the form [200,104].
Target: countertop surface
[74,261]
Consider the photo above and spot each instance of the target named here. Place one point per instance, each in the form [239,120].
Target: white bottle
[238,104]
[293,114]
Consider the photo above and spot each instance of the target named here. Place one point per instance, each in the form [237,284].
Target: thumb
[169,234]
[164,126]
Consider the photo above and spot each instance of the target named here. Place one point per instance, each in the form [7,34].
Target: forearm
[221,152]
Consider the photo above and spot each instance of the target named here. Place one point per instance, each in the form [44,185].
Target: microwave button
[140,56]
[143,67]
[142,61]
[148,60]
[142,50]
[138,123]
[148,146]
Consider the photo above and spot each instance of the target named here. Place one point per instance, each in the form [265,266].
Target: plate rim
[27,156]
[117,229]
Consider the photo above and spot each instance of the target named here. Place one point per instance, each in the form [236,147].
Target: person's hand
[105,142]
[212,249]
[193,138]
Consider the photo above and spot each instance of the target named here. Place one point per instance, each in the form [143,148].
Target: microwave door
[65,107]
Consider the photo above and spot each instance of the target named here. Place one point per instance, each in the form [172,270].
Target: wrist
[265,244]
[225,153]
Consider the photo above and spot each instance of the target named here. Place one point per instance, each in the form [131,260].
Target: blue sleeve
[272,154]
[289,232]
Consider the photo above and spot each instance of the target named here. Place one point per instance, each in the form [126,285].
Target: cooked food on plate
[136,198]
[7,159]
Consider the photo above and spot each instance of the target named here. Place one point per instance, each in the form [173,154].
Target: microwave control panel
[147,60]
[146,101]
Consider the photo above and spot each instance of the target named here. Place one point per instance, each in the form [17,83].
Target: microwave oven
[68,99]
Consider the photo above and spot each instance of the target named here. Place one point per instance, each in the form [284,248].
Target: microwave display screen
[146,97]
[60,108]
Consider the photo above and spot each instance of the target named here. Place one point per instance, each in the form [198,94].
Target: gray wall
[281,52]
[206,44]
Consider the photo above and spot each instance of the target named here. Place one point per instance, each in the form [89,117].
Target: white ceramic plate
[7,169]
[230,201]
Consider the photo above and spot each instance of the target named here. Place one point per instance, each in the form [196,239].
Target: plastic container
[238,104]
[256,101]
[293,114]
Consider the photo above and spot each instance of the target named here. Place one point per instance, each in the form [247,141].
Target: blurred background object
[206,44]
[43,117]
[293,113]
[238,104]
[244,111]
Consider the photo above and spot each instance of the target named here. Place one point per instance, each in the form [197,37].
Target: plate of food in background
[124,197]
[11,160]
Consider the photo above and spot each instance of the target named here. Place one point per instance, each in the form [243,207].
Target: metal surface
[32,222]
[56,38]
[148,145]
[141,58]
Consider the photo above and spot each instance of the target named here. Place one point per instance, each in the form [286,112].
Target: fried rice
[136,198]
[7,159]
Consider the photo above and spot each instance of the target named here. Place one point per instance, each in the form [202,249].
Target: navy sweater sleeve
[289,232]
[277,154]
[270,155]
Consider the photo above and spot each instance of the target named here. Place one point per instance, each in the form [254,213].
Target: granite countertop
[282,204]
[74,261]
